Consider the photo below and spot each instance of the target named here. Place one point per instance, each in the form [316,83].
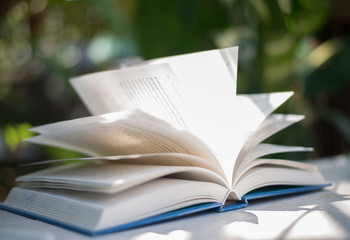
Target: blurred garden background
[299,45]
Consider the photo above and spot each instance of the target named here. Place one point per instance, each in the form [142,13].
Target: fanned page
[123,133]
[199,90]
[271,125]
[252,109]
[179,89]
[164,159]
[276,173]
[134,132]
[113,177]
[152,89]
[250,112]
[264,149]
[200,68]
[208,81]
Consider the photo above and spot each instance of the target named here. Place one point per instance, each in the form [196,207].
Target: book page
[200,68]
[207,77]
[203,85]
[152,89]
[208,81]
[263,149]
[272,124]
[224,142]
[242,119]
[112,177]
[163,159]
[252,109]
[274,162]
[124,133]
[46,128]
[230,57]
[257,177]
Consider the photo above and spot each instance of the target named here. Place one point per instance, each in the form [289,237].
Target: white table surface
[317,215]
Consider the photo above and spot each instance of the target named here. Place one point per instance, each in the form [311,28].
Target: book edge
[142,222]
[216,207]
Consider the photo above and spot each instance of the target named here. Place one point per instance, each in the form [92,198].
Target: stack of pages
[166,138]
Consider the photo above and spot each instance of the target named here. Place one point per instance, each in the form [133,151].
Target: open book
[167,138]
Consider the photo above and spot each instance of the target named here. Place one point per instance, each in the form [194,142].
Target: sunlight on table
[176,234]
[269,225]
[309,221]
[277,224]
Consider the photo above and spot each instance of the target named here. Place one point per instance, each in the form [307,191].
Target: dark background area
[300,45]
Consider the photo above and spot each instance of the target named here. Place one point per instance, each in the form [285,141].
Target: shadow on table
[319,201]
[210,222]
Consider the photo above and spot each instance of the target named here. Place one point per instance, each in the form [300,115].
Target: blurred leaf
[11,137]
[59,153]
[14,135]
[23,131]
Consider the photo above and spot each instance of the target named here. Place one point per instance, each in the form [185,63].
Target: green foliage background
[300,45]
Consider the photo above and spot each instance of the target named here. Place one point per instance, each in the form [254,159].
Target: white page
[177,89]
[204,82]
[271,125]
[213,73]
[263,149]
[46,128]
[264,176]
[229,134]
[103,118]
[152,89]
[274,162]
[230,57]
[238,120]
[112,178]
[124,133]
[164,159]
[208,81]
[250,110]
